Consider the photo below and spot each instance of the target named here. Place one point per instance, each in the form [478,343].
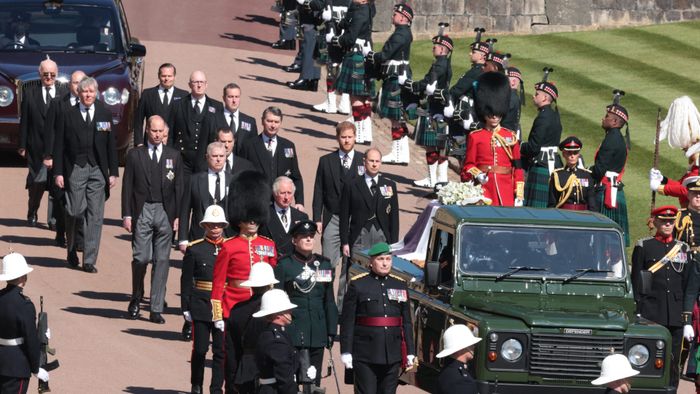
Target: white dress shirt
[287,214]
[232,117]
[84,110]
[266,140]
[158,148]
[350,156]
[368,181]
[212,183]
[170,93]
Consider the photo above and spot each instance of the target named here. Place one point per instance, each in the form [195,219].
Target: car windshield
[36,27]
[541,252]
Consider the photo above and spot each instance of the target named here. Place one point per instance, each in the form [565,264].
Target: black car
[88,35]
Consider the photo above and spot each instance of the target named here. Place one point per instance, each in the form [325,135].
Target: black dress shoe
[134,309]
[294,68]
[196,389]
[52,225]
[31,220]
[73,260]
[285,44]
[60,241]
[156,318]
[187,331]
[304,84]
[90,268]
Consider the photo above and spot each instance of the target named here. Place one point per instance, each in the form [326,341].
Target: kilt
[619,214]
[353,78]
[537,187]
[425,132]
[390,103]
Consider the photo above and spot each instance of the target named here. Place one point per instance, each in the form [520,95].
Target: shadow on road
[260,62]
[314,118]
[13,222]
[24,240]
[312,133]
[150,390]
[241,37]
[42,261]
[98,312]
[157,334]
[99,295]
[262,79]
[258,19]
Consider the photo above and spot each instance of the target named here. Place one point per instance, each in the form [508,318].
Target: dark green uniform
[392,61]
[357,25]
[539,154]
[464,88]
[512,119]
[440,70]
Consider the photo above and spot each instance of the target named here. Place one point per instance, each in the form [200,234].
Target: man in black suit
[191,118]
[158,100]
[283,216]
[234,163]
[36,99]
[275,155]
[86,165]
[369,212]
[153,187]
[334,170]
[243,126]
[17,32]
[202,190]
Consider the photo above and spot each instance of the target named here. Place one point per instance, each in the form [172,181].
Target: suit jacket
[57,108]
[18,317]
[33,133]
[240,164]
[357,206]
[190,133]
[137,181]
[285,162]
[274,229]
[149,105]
[330,180]
[195,201]
[68,142]
[247,128]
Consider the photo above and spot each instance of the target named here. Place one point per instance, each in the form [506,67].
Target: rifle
[45,349]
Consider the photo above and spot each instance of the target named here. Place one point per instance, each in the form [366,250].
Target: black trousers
[316,359]
[676,342]
[376,378]
[201,330]
[12,385]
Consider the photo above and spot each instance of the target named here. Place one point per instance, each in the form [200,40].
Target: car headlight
[111,96]
[6,96]
[511,350]
[638,355]
[125,96]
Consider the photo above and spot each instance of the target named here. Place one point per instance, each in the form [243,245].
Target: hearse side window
[442,252]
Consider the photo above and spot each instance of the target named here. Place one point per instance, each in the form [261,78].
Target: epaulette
[264,237]
[585,169]
[195,242]
[641,240]
[397,277]
[558,169]
[358,276]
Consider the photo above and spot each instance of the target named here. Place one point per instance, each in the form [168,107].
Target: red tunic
[486,153]
[233,264]
[676,189]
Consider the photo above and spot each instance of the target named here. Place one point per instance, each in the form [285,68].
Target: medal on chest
[398,295]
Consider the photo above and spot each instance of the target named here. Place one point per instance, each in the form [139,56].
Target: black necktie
[283,217]
[87,116]
[154,158]
[48,96]
[196,107]
[165,97]
[217,188]
[233,123]
[228,165]
[373,187]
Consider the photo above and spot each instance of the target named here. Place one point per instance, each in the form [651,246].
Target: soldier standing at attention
[539,152]
[195,295]
[393,61]
[517,100]
[572,187]
[664,260]
[308,280]
[376,332]
[19,341]
[458,350]
[610,163]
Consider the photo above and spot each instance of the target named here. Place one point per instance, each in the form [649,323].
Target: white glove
[346,358]
[219,324]
[654,185]
[482,178]
[301,2]
[518,202]
[430,89]
[44,376]
[311,372]
[466,124]
[402,78]
[688,332]
[449,110]
[366,48]
[409,360]
[327,14]
[330,35]
[655,174]
[187,315]
[48,333]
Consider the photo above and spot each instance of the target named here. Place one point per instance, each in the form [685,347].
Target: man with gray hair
[283,216]
[86,165]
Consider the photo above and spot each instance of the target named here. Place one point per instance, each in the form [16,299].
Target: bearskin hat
[492,95]
[249,198]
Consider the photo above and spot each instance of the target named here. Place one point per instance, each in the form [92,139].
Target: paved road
[99,350]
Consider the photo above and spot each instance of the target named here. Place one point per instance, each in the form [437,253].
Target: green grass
[652,64]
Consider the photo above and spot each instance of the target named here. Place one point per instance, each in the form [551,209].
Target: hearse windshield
[519,251]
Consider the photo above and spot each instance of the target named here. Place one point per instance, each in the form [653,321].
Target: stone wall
[535,16]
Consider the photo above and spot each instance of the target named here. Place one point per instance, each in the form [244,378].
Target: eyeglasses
[51,75]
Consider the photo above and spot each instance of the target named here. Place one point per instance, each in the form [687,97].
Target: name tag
[324,276]
[212,110]
[104,126]
[245,126]
[289,153]
[387,191]
[399,295]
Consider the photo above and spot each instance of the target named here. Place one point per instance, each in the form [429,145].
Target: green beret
[379,249]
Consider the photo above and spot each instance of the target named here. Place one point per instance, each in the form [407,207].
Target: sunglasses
[51,75]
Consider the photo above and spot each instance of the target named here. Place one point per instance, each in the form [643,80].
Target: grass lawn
[652,64]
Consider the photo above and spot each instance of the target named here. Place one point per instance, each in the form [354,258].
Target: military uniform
[19,342]
[233,267]
[462,92]
[675,188]
[357,30]
[309,283]
[572,188]
[427,129]
[195,295]
[277,361]
[377,330]
[393,61]
[304,61]
[512,119]
[243,332]
[540,156]
[454,378]
[688,231]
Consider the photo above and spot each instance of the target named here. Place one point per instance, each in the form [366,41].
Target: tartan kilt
[353,78]
[425,132]
[390,103]
[619,214]
[537,187]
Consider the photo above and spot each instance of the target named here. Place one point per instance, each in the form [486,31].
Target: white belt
[550,153]
[337,8]
[360,42]
[338,13]
[613,177]
[267,380]
[395,63]
[11,342]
